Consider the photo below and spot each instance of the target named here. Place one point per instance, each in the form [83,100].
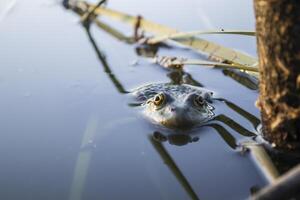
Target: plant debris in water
[141,25]
[175,62]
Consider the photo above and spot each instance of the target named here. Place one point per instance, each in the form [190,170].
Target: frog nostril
[172,109]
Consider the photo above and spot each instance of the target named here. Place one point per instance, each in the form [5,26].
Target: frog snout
[172,109]
[178,111]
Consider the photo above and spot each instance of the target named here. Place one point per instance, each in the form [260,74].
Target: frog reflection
[180,138]
[175,139]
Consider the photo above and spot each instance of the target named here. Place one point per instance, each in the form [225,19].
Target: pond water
[68,133]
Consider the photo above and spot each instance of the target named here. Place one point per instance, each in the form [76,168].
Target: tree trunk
[278,41]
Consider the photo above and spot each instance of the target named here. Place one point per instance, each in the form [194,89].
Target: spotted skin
[178,109]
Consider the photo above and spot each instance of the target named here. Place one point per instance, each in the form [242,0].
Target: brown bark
[278,41]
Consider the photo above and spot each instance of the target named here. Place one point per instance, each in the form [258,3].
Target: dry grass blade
[118,35]
[174,62]
[169,62]
[162,38]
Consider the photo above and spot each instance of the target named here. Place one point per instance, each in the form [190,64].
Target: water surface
[55,96]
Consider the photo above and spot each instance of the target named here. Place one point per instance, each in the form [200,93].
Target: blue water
[55,96]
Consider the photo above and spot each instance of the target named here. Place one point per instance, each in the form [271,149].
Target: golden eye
[199,101]
[159,99]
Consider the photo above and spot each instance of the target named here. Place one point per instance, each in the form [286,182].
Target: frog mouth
[184,121]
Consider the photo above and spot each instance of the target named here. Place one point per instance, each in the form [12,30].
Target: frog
[180,106]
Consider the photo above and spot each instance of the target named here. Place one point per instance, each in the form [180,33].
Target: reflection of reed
[113,32]
[226,136]
[254,120]
[107,69]
[86,17]
[173,167]
[234,125]
[242,78]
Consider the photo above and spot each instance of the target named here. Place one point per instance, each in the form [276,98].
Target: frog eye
[199,101]
[159,99]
